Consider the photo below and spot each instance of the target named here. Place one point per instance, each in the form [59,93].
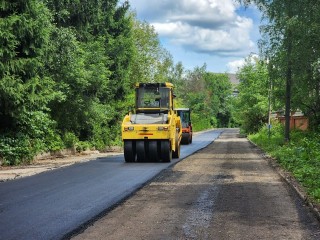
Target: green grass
[301,156]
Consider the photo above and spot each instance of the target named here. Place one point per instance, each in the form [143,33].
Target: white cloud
[234,66]
[168,10]
[202,26]
[202,12]
[198,31]
[212,41]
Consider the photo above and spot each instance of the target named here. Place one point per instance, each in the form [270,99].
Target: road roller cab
[153,131]
[185,116]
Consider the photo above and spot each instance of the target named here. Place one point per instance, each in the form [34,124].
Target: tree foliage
[151,62]
[67,72]
[252,102]
[207,94]
[65,67]
[25,89]
[291,42]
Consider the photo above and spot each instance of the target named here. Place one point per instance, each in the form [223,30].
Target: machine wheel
[176,154]
[141,151]
[190,139]
[166,154]
[129,151]
[153,151]
[185,140]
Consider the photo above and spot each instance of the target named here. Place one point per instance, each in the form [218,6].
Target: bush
[262,139]
[82,146]
[16,150]
[301,156]
[200,122]
[34,134]
[70,140]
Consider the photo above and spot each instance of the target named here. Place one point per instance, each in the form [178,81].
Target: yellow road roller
[152,133]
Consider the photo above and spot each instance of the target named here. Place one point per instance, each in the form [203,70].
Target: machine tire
[190,139]
[129,151]
[166,154]
[153,151]
[185,140]
[182,140]
[176,154]
[141,151]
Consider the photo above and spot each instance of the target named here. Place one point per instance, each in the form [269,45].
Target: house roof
[233,78]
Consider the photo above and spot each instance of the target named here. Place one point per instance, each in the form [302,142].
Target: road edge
[292,182]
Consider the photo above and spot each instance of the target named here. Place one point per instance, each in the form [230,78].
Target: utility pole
[269,109]
[269,100]
[288,42]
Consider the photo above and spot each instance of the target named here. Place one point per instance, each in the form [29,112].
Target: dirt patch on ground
[225,191]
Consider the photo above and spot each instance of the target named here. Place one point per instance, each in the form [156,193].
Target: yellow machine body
[153,132]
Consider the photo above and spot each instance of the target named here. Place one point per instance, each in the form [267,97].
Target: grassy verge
[301,156]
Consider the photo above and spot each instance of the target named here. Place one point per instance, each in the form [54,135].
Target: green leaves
[24,38]
[67,72]
[207,94]
[291,41]
[151,62]
[251,105]
[301,156]
[64,67]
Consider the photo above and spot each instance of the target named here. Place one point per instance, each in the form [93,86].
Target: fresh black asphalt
[52,204]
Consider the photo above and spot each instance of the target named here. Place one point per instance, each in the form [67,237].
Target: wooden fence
[297,121]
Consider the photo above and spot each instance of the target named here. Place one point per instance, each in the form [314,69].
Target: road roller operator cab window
[153,97]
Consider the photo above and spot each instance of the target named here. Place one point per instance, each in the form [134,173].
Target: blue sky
[220,33]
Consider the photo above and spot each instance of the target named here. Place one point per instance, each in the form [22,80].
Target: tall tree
[252,101]
[24,40]
[151,63]
[25,88]
[306,73]
[206,93]
[292,43]
[218,94]
[90,59]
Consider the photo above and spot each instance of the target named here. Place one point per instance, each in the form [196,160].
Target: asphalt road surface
[52,204]
[225,191]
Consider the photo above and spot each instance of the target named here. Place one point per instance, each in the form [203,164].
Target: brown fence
[296,122]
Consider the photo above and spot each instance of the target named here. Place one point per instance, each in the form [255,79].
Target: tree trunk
[288,42]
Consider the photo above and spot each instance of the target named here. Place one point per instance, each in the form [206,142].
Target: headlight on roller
[128,128]
[163,128]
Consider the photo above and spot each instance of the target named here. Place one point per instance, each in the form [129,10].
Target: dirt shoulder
[50,163]
[225,191]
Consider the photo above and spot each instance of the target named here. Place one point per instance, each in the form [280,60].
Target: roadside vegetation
[67,71]
[300,156]
[208,95]
[285,77]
